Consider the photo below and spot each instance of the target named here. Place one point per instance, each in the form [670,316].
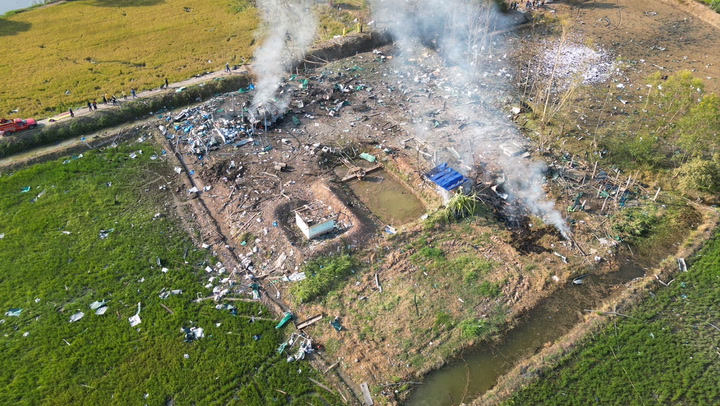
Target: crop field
[666,351]
[72,52]
[68,53]
[104,227]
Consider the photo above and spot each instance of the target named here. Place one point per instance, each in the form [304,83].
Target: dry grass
[93,47]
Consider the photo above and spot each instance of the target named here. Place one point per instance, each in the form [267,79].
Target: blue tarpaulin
[446,177]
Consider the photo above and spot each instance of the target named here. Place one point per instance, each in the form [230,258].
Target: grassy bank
[665,351]
[99,227]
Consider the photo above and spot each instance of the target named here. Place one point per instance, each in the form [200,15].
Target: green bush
[471,328]
[701,175]
[636,222]
[323,275]
[459,206]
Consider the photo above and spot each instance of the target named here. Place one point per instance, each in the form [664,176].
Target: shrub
[323,275]
[636,222]
[702,175]
[471,328]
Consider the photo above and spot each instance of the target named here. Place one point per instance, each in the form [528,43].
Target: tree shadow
[125,3]
[8,27]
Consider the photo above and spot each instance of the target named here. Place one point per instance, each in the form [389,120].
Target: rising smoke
[290,27]
[470,68]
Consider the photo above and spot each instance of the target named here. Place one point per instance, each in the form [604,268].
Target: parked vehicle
[15,125]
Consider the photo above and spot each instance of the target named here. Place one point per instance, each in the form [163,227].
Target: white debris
[77,316]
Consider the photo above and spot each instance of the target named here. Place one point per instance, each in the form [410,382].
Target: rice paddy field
[65,54]
[103,227]
[664,352]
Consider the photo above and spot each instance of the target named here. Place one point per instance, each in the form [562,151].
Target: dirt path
[172,87]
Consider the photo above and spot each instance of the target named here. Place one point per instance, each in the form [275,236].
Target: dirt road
[172,87]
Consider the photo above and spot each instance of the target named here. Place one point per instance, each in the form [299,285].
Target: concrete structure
[315,219]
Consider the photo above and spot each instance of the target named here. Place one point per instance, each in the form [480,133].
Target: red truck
[15,124]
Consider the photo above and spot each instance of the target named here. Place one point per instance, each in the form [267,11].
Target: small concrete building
[315,219]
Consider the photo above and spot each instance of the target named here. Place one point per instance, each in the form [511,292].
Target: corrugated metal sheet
[446,177]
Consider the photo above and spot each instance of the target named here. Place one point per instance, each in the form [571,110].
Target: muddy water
[465,380]
[387,199]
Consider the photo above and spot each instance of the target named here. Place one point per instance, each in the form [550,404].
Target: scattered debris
[366,394]
[13,312]
[336,323]
[368,157]
[192,333]
[285,320]
[135,320]
[96,304]
[296,277]
[580,279]
[164,294]
[77,316]
[105,233]
[682,265]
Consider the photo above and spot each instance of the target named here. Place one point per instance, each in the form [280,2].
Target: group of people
[107,99]
[529,4]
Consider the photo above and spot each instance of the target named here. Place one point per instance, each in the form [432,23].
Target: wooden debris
[321,385]
[331,367]
[312,320]
[366,394]
[167,308]
[357,172]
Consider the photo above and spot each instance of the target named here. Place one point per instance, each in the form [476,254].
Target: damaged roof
[446,177]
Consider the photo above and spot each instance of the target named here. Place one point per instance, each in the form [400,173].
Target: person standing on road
[89,106]
[94,105]
[166,83]
[132,92]
[72,113]
[105,99]
[227,67]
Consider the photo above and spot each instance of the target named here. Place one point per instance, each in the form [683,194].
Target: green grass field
[55,263]
[665,353]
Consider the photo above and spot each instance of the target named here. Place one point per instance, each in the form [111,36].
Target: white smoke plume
[290,29]
[471,67]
